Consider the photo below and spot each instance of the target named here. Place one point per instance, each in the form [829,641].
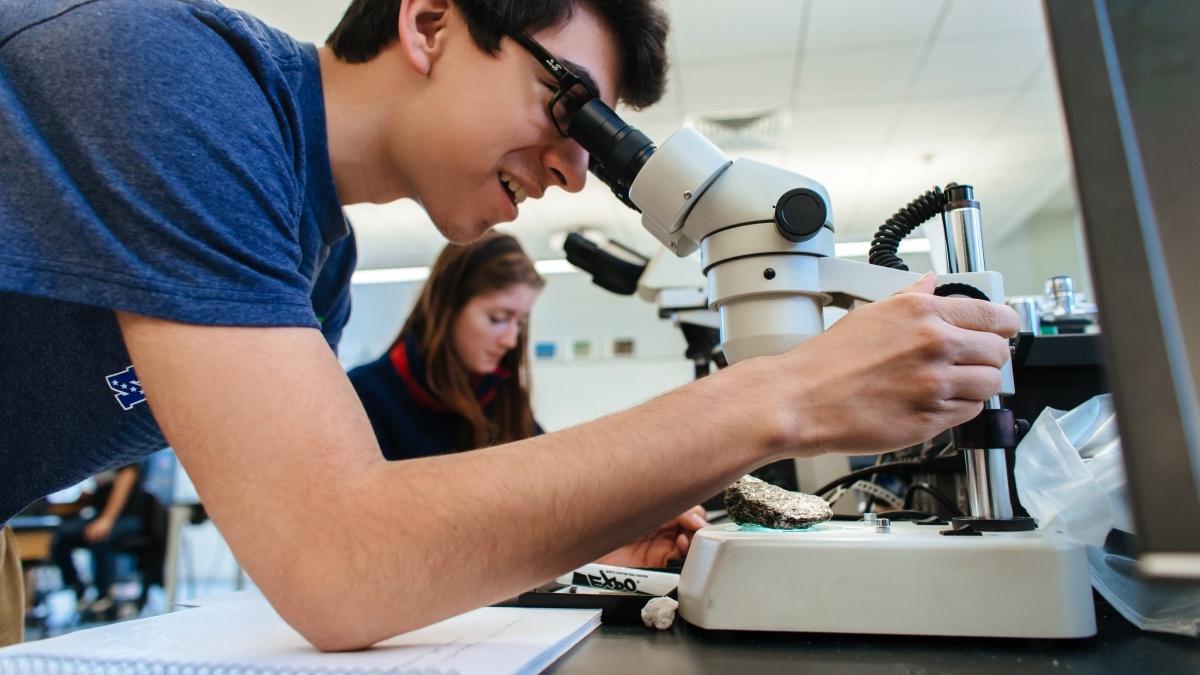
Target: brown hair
[462,272]
[640,27]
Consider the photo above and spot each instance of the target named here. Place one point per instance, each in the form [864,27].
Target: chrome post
[987,470]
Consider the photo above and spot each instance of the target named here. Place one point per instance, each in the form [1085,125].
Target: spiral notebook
[245,635]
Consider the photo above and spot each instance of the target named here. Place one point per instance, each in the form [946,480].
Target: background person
[118,503]
[457,375]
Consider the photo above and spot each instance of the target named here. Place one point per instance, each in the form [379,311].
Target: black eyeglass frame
[564,76]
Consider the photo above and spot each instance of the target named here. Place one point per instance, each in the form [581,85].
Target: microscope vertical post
[987,469]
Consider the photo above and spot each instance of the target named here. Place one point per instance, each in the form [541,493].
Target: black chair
[147,546]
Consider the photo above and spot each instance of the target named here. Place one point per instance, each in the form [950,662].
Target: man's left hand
[664,543]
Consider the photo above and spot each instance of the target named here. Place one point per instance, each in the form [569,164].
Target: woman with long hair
[456,378]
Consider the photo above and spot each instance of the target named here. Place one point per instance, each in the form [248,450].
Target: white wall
[376,314]
[1048,243]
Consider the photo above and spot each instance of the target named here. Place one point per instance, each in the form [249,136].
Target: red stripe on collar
[424,398]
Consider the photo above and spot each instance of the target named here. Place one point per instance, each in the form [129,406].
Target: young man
[171,188]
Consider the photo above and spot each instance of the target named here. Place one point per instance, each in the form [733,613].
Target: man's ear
[422,31]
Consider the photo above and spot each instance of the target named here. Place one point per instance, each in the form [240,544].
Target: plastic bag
[1071,479]
[1165,608]
[1069,472]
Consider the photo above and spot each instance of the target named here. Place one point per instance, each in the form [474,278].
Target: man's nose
[567,163]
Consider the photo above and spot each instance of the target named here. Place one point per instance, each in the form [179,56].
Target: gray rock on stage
[754,502]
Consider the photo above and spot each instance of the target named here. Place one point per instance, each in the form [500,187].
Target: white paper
[246,634]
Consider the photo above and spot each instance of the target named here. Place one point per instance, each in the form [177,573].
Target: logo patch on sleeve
[127,387]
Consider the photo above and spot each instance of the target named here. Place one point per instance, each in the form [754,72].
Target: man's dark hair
[640,27]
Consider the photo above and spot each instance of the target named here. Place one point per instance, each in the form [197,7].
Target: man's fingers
[682,544]
[925,284]
[958,411]
[981,349]
[692,519]
[979,315]
[974,383]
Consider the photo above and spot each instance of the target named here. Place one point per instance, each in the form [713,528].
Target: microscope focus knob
[800,214]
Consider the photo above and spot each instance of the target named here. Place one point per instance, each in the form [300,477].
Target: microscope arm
[846,282]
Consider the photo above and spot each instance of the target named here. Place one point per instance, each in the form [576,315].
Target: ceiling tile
[995,63]
[1038,110]
[1009,198]
[1016,149]
[838,24]
[844,126]
[718,31]
[970,19]
[749,85]
[966,118]
[856,76]
[932,162]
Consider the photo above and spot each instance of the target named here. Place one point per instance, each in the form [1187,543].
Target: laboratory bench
[1118,647]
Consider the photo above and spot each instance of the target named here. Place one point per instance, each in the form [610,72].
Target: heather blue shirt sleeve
[156,170]
[331,294]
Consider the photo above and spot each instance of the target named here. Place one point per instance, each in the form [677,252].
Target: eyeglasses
[573,90]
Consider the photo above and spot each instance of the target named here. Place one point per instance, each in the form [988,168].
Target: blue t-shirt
[166,158]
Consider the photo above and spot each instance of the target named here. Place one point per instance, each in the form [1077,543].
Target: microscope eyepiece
[617,150]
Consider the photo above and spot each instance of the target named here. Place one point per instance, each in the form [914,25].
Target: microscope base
[844,577]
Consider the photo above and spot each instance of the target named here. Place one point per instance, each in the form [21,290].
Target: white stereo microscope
[766,240]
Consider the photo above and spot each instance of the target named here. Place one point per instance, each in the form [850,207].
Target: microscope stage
[844,577]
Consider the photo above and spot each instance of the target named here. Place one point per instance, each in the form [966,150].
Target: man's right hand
[893,373]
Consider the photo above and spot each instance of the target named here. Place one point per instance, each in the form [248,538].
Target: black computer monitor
[1129,74]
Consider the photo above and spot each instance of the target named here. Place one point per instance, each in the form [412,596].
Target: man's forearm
[442,535]
[352,549]
[485,525]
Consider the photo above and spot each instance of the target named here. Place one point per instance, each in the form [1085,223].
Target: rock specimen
[753,502]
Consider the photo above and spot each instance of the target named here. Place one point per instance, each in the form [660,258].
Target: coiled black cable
[886,243]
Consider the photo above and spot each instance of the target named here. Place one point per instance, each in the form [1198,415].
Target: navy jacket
[408,420]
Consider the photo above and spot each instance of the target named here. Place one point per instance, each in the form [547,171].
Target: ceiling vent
[741,131]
